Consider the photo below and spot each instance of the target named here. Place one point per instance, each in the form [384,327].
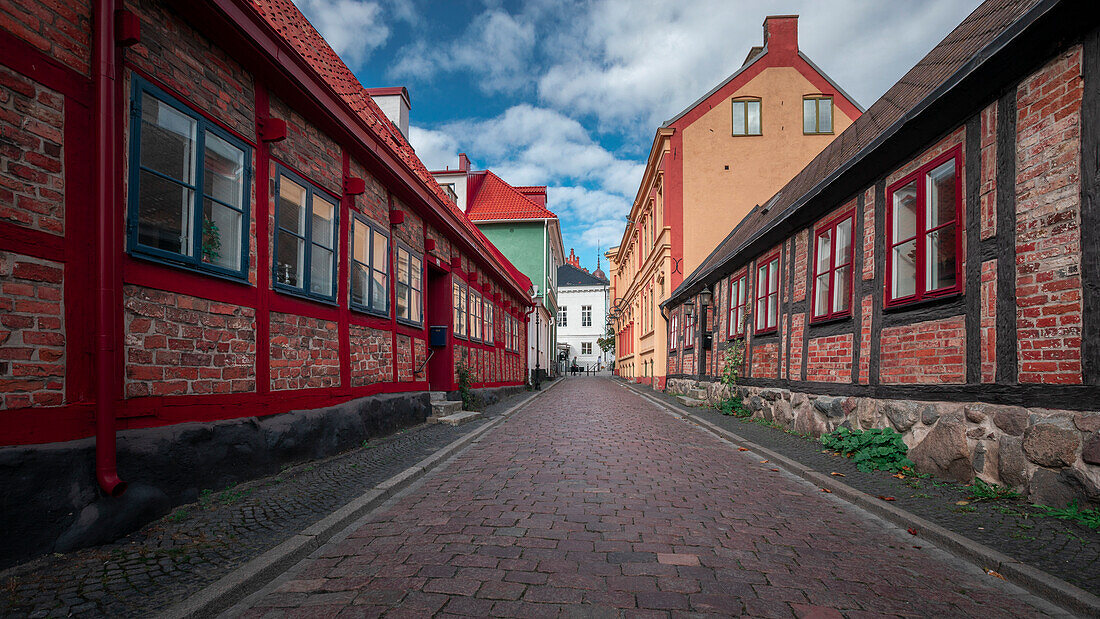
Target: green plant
[981,491]
[211,241]
[469,401]
[876,449]
[179,515]
[734,359]
[1087,517]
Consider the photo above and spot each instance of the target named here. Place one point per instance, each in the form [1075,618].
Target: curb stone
[1040,583]
[223,593]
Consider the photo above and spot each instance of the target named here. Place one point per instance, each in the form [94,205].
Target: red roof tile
[285,18]
[497,200]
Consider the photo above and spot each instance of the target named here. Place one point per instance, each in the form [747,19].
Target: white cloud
[436,149]
[589,206]
[353,28]
[496,48]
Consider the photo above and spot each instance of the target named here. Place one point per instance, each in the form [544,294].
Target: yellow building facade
[707,168]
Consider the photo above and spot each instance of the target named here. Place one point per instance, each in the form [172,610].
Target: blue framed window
[306,221]
[189,186]
[410,271]
[370,251]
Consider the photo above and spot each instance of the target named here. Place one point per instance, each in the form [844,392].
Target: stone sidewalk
[593,502]
[175,557]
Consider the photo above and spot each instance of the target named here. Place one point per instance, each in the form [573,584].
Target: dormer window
[746,116]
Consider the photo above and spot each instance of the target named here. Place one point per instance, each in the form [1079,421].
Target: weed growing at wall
[1087,517]
[981,491]
[878,449]
[734,358]
[469,401]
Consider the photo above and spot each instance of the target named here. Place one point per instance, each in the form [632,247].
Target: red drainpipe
[105,135]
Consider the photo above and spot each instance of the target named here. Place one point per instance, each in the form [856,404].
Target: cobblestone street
[593,502]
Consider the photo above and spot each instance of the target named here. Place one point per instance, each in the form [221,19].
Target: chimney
[781,34]
[394,101]
[463,162]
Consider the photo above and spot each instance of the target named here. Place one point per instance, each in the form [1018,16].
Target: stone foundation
[52,503]
[1051,456]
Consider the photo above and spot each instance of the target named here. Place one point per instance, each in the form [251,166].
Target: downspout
[105,135]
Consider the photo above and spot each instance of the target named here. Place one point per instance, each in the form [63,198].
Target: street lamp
[538,355]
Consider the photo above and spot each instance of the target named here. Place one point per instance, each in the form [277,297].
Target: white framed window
[586,315]
[586,348]
[563,316]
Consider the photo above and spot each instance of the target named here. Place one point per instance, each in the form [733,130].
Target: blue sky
[568,94]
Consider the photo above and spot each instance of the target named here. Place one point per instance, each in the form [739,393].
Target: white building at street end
[583,300]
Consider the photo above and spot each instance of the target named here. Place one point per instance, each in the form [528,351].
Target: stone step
[442,408]
[459,418]
[698,394]
[690,402]
[437,396]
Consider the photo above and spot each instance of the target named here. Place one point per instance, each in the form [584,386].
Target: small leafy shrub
[733,405]
[871,450]
[1087,517]
[179,515]
[981,491]
[469,400]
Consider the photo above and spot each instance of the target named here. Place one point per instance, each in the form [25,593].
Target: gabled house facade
[936,269]
[707,168]
[210,230]
[516,220]
[583,300]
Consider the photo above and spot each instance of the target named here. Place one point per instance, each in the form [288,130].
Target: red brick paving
[593,502]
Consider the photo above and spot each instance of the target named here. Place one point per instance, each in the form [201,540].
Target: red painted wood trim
[80,226]
[138,272]
[29,242]
[343,276]
[24,58]
[261,211]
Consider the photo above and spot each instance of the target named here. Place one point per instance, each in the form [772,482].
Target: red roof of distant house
[497,200]
[285,18]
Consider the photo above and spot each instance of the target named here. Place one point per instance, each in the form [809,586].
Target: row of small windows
[189,206]
[586,316]
[924,211]
[817,115]
[475,318]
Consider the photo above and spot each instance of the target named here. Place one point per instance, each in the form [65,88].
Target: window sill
[159,260]
[828,320]
[360,309]
[409,323]
[932,301]
[305,296]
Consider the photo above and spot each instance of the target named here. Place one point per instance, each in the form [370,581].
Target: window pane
[824,251]
[414,306]
[809,116]
[164,214]
[740,319]
[821,294]
[761,281]
[221,235]
[402,299]
[841,283]
[360,245]
[940,195]
[167,140]
[941,258]
[402,266]
[825,115]
[414,271]
[739,118]
[761,313]
[742,284]
[905,212]
[292,201]
[320,271]
[773,276]
[904,270]
[324,215]
[360,278]
[290,260]
[773,309]
[843,242]
[381,251]
[223,171]
[754,117]
[380,293]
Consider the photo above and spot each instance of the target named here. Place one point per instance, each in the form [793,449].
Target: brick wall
[988,312]
[173,53]
[420,353]
[798,332]
[371,356]
[61,30]
[32,332]
[304,352]
[178,344]
[404,359]
[307,149]
[925,352]
[1048,219]
[829,359]
[865,339]
[869,234]
[801,242]
[411,231]
[988,188]
[764,359]
[372,202]
[32,180]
